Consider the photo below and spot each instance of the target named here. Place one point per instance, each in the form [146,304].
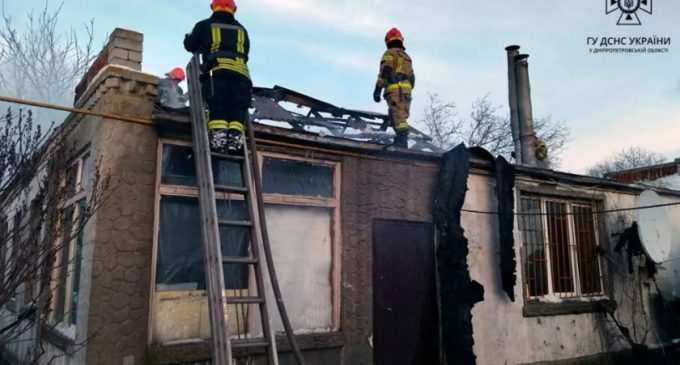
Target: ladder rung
[231,189]
[239,260]
[244,300]
[236,223]
[227,157]
[250,343]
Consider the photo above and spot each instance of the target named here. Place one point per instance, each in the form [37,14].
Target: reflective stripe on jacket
[223,42]
[396,71]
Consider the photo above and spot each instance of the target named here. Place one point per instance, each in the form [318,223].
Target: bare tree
[487,128]
[39,226]
[628,158]
[440,121]
[39,61]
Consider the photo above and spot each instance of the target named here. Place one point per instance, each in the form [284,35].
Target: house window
[560,249]
[302,206]
[179,263]
[69,246]
[302,210]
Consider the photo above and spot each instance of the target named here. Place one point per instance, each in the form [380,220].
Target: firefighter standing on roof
[224,45]
[397,78]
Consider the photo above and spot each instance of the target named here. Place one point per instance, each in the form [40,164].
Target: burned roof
[283,108]
[282,113]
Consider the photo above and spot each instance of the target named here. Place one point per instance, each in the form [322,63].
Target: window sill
[200,350]
[539,309]
[56,338]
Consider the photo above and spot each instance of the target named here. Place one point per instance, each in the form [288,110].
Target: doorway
[405,312]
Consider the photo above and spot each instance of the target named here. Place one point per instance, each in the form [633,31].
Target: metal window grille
[559,249]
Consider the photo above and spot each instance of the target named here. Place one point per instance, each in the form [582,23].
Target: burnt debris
[458,292]
[505,182]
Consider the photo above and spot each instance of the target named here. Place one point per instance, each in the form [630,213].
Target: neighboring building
[665,175]
[351,229]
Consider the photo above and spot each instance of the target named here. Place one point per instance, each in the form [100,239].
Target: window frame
[16,232]
[334,204]
[75,201]
[577,293]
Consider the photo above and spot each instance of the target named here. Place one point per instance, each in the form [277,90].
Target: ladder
[222,343]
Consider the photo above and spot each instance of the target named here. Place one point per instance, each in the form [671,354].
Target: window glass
[77,265]
[72,179]
[87,171]
[65,254]
[178,168]
[180,251]
[297,178]
[560,254]
[588,258]
[535,267]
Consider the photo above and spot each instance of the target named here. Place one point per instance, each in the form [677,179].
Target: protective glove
[376,94]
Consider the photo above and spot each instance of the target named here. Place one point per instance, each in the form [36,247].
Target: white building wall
[502,334]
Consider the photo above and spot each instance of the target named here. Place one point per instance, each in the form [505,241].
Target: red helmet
[393,34]
[177,74]
[223,5]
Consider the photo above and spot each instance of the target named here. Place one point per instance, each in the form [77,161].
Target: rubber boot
[218,140]
[401,139]
[235,142]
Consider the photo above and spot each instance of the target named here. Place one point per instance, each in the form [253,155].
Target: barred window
[560,248]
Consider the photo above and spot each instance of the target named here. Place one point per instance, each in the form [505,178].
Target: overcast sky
[331,49]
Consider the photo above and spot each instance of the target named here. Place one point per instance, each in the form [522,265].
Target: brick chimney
[124,48]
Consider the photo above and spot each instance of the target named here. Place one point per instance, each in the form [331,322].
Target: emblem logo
[629,10]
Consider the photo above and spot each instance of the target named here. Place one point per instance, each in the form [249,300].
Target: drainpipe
[526,120]
[513,51]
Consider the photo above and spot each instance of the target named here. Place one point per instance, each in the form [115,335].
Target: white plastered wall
[502,334]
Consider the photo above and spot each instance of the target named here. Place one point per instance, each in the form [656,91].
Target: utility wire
[75,110]
[573,213]
[148,122]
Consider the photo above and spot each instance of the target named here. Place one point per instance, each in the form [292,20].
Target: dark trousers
[228,96]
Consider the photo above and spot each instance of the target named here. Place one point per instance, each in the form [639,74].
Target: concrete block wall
[122,257]
[117,271]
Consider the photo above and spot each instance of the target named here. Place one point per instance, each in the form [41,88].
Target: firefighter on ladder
[397,79]
[224,45]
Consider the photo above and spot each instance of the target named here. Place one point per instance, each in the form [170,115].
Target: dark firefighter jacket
[222,41]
